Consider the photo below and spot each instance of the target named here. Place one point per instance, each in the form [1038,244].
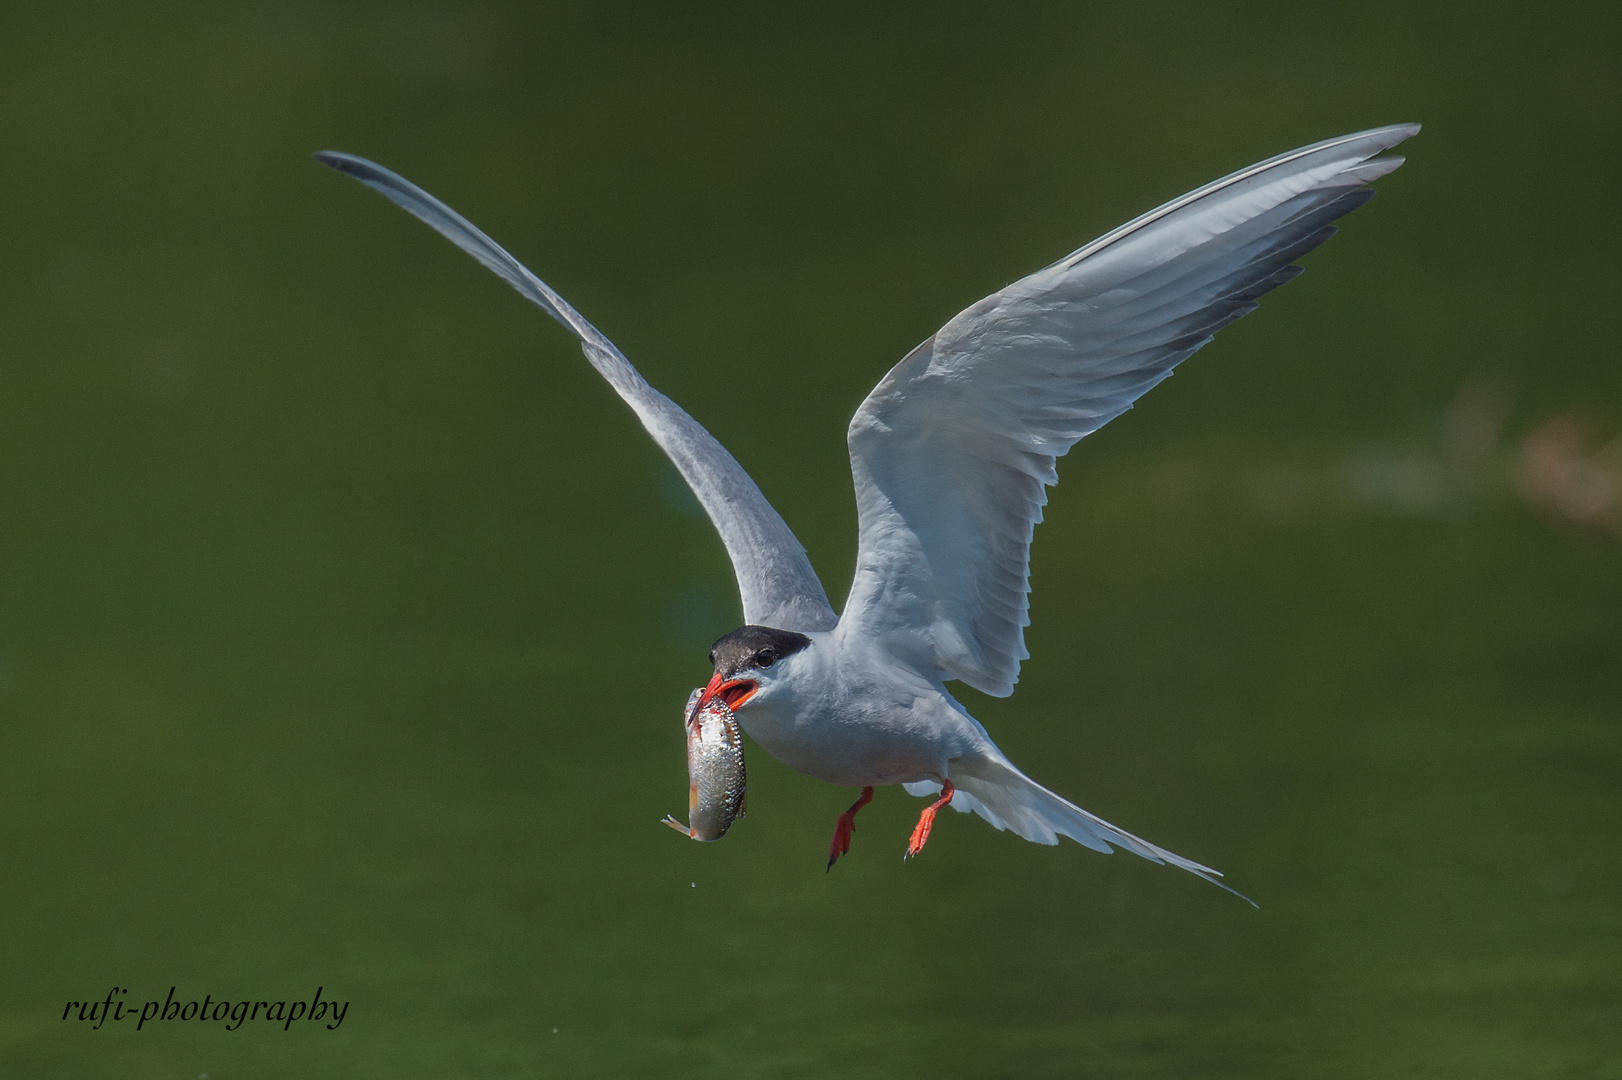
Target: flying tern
[952,454]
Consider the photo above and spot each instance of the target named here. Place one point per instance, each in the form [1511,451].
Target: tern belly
[863,743]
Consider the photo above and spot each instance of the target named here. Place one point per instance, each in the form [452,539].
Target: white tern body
[951,455]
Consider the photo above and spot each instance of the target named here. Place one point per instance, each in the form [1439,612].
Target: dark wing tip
[349,164]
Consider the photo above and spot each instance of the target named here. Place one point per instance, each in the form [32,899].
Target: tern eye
[765,658]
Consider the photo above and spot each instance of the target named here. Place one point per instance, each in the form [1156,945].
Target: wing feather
[775,579]
[953,451]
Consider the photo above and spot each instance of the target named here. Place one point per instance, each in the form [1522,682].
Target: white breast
[847,716]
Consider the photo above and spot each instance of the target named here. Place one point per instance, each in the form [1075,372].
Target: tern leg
[845,826]
[926,821]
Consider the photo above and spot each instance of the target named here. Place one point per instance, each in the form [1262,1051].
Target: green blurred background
[346,616]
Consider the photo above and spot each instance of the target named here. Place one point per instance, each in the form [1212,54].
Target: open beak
[733,692]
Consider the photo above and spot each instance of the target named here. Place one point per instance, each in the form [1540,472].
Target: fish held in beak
[715,774]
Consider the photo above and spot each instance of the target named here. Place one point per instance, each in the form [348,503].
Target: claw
[926,821]
[845,826]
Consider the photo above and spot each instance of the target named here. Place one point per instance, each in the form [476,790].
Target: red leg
[926,821]
[845,826]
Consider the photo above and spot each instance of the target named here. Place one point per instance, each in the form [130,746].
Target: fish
[715,777]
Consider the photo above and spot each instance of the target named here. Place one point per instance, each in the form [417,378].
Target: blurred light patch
[1560,473]
[1559,468]
[1391,480]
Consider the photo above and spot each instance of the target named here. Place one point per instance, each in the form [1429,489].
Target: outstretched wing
[953,450]
[775,578]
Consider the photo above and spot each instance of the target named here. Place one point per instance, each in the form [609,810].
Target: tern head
[748,661]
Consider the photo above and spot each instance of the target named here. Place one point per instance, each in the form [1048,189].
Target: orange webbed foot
[845,827]
[926,821]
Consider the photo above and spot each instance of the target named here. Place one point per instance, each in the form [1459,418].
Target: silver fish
[715,778]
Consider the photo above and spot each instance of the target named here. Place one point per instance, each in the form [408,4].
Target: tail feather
[1009,799]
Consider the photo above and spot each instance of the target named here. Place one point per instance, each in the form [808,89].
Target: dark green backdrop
[346,616]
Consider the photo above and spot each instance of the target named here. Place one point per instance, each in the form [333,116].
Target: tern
[952,454]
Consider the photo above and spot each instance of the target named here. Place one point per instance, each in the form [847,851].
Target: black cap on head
[754,647]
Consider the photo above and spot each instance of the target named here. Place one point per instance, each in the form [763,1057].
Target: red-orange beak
[734,692]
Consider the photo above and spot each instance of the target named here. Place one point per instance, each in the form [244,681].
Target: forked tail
[1009,799]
